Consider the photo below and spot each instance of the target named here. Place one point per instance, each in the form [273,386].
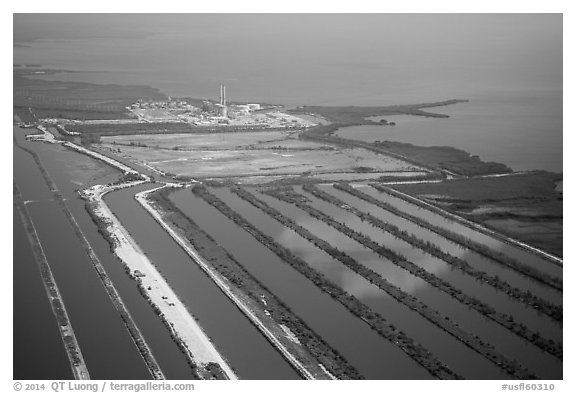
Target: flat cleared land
[254,153]
[206,141]
[156,114]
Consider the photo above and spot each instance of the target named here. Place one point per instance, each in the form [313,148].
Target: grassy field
[535,185]
[524,206]
[23,114]
[82,100]
[243,140]
[434,157]
[256,153]
[79,114]
[445,157]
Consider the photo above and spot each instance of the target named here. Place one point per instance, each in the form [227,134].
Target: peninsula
[390,238]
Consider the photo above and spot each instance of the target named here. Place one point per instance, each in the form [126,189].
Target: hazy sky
[528,44]
[508,65]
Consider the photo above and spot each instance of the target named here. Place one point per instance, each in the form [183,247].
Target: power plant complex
[215,113]
[223,109]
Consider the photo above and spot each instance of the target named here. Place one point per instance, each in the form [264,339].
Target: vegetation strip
[203,358]
[67,334]
[118,238]
[270,314]
[502,319]
[463,241]
[526,297]
[476,344]
[133,330]
[416,351]
[102,224]
[477,227]
[447,160]
[323,133]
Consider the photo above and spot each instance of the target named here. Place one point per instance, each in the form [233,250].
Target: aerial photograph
[282,196]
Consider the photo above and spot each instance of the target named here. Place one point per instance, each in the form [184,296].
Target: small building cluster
[210,113]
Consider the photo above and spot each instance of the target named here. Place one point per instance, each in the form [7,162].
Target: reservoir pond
[523,256]
[445,347]
[371,355]
[476,260]
[471,321]
[456,277]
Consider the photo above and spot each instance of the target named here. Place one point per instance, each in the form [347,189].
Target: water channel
[108,349]
[457,278]
[37,354]
[240,342]
[69,174]
[476,260]
[489,331]
[445,347]
[523,256]
[373,357]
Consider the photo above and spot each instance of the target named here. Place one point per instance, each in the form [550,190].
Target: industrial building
[222,107]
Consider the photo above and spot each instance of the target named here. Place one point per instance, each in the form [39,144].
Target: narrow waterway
[107,347]
[37,353]
[476,260]
[456,277]
[470,320]
[444,346]
[240,342]
[26,172]
[519,254]
[63,164]
[373,356]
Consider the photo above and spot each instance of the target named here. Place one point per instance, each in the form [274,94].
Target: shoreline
[203,356]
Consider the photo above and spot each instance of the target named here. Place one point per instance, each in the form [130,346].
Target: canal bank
[252,299]
[71,171]
[250,355]
[82,292]
[35,356]
[446,347]
[372,356]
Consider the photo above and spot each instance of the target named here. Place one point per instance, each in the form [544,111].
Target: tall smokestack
[224,96]
[221,94]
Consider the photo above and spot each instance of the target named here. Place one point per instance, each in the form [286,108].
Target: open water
[509,66]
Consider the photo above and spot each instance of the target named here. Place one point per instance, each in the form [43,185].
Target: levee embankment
[232,279]
[67,334]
